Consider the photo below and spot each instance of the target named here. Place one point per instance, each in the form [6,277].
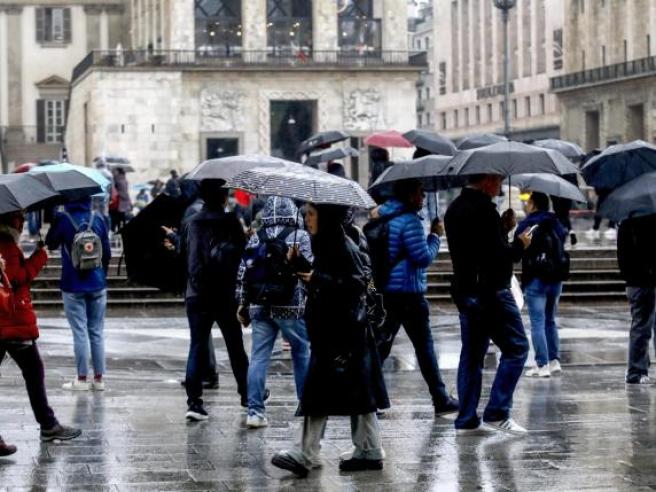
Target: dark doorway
[221,147]
[291,123]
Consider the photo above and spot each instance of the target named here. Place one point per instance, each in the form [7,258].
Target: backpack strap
[70,217]
[91,219]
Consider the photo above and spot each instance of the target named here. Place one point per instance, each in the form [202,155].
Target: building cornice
[103,5]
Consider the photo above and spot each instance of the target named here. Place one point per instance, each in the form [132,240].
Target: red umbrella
[23,168]
[390,138]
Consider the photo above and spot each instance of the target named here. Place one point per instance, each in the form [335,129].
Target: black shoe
[573,239]
[212,384]
[451,405]
[196,413]
[244,398]
[6,449]
[359,464]
[60,433]
[284,461]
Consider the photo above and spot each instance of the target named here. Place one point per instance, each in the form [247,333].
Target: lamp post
[505,6]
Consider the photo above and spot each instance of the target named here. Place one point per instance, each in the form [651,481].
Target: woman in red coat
[18,331]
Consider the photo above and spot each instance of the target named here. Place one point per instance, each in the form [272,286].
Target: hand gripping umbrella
[620,164]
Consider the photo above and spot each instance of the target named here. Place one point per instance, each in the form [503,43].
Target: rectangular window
[478,115]
[583,60]
[490,116]
[466,117]
[50,117]
[53,25]
[501,111]
[582,6]
[626,50]
[558,49]
[603,56]
[443,118]
[527,106]
[455,119]
[514,108]
[648,45]
[442,76]
[543,108]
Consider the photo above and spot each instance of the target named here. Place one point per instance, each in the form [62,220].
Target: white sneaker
[508,425]
[98,385]
[256,421]
[610,234]
[539,372]
[643,380]
[554,367]
[592,234]
[482,430]
[77,385]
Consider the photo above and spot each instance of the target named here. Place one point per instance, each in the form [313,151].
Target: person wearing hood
[272,297]
[84,288]
[19,330]
[545,265]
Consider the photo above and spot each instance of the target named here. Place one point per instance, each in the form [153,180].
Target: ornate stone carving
[362,110]
[221,111]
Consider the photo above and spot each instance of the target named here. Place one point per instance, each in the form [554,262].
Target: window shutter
[67,26]
[40,25]
[40,120]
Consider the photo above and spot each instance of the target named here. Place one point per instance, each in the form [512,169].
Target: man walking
[84,240]
[636,254]
[482,266]
[212,244]
[409,253]
[272,297]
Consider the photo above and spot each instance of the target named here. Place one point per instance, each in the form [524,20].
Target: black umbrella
[24,191]
[633,199]
[321,139]
[331,155]
[227,167]
[568,149]
[477,140]
[432,142]
[620,164]
[550,184]
[72,185]
[430,170]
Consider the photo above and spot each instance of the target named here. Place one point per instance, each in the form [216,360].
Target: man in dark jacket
[482,266]
[410,254]
[212,243]
[636,254]
[84,291]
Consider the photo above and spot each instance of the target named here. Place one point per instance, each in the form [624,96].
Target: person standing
[83,238]
[483,266]
[212,243]
[272,297]
[19,331]
[545,265]
[410,253]
[345,376]
[123,204]
[172,186]
[636,255]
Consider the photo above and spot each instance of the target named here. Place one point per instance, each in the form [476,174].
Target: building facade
[421,39]
[213,78]
[608,91]
[468,63]
[40,43]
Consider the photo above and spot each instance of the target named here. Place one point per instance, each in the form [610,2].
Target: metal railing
[217,57]
[608,73]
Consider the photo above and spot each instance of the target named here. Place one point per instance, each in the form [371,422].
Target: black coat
[345,375]
[636,251]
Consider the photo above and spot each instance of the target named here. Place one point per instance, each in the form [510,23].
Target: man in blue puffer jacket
[410,254]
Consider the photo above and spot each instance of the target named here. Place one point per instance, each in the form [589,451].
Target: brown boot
[6,449]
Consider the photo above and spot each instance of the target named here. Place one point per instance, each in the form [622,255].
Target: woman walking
[344,377]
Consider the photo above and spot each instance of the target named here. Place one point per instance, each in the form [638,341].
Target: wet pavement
[589,431]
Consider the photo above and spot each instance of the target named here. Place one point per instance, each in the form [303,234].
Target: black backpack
[546,257]
[269,279]
[377,233]
[222,258]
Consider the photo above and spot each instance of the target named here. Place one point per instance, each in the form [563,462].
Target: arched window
[359,25]
[289,26]
[218,27]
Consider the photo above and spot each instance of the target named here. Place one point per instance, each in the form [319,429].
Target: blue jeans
[643,323]
[542,303]
[265,332]
[494,317]
[85,312]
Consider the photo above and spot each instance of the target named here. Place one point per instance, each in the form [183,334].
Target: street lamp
[505,6]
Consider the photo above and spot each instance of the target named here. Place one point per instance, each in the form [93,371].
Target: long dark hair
[330,228]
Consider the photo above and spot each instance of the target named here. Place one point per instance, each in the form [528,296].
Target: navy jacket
[61,235]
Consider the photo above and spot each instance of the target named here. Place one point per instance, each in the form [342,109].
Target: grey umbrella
[429,170]
[551,184]
[331,155]
[227,167]
[568,149]
[633,199]
[23,191]
[321,139]
[620,164]
[432,142]
[477,140]
[302,183]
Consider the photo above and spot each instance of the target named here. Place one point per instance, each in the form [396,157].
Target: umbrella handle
[298,213]
[509,192]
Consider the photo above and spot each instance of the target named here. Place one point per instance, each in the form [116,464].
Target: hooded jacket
[277,214]
[410,251]
[61,235]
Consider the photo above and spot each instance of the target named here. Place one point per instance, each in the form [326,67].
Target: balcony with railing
[642,67]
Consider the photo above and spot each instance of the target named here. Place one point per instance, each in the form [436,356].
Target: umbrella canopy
[633,199]
[508,158]
[429,170]
[433,142]
[23,191]
[390,138]
[477,140]
[568,149]
[331,155]
[550,184]
[321,140]
[227,167]
[72,182]
[619,164]
[302,183]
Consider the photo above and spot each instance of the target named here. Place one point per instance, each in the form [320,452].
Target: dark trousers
[562,208]
[29,361]
[411,311]
[643,324]
[496,318]
[202,315]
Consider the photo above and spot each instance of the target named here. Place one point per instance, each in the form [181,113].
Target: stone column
[93,22]
[182,25]
[395,25]
[104,31]
[254,32]
[324,30]
[14,66]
